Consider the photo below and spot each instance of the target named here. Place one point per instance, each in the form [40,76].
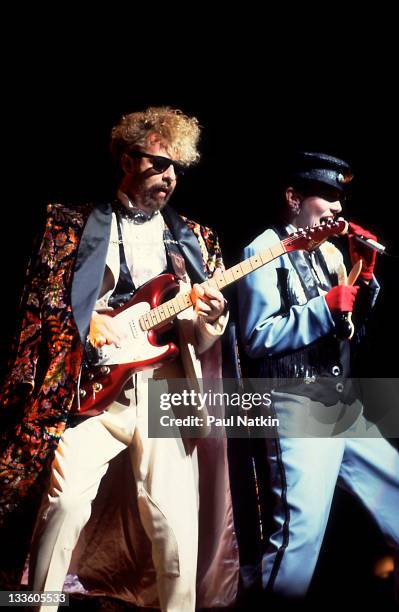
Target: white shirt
[144,251]
[144,248]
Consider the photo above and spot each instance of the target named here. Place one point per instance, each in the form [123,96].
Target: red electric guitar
[152,310]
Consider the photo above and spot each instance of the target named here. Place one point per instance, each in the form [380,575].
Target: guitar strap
[174,254]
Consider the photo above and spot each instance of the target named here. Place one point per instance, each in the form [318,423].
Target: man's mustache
[160,187]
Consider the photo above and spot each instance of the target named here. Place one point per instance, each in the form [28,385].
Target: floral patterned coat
[62,284]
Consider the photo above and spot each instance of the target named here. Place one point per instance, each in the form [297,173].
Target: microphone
[376,246]
[372,244]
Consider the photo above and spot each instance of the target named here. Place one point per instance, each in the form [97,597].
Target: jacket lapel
[90,264]
[301,264]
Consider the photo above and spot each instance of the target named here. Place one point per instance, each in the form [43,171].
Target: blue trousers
[304,472]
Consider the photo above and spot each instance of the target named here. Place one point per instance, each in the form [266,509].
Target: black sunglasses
[159,163]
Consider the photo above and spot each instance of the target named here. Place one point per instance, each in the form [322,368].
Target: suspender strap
[125,288]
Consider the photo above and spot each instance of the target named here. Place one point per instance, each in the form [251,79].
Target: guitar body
[102,382]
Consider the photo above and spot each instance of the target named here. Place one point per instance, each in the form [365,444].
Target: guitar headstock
[310,238]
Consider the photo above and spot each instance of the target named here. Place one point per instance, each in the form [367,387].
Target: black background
[65,85]
[56,148]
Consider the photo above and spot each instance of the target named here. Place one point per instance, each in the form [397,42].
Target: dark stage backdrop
[56,149]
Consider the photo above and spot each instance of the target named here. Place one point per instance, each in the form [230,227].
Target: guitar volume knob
[105,370]
[82,393]
[97,387]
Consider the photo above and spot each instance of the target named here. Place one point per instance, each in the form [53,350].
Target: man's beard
[151,201]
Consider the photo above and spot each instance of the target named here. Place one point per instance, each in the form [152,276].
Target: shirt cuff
[207,333]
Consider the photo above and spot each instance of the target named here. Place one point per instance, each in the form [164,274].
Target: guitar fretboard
[167,311]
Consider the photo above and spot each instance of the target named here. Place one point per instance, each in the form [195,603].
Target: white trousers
[303,475]
[167,491]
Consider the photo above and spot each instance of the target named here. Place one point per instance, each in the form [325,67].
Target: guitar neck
[167,311]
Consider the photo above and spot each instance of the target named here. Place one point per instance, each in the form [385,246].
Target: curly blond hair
[174,128]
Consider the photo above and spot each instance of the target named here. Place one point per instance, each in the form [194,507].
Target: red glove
[341,298]
[358,250]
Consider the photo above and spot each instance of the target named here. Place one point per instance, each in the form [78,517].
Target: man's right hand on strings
[104,330]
